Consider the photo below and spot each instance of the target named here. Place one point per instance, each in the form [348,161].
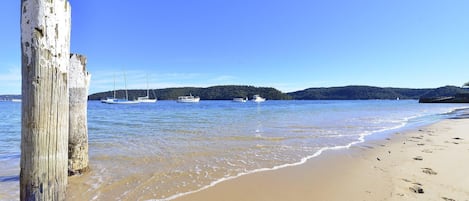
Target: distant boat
[241,100]
[256,98]
[118,101]
[114,100]
[15,100]
[188,99]
[146,99]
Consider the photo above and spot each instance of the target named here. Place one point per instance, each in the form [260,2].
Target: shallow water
[164,149]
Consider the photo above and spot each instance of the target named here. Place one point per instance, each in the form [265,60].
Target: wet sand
[429,163]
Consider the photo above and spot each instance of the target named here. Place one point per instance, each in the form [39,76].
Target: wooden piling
[78,83]
[45,47]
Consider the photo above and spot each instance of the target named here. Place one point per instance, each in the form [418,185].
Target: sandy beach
[428,163]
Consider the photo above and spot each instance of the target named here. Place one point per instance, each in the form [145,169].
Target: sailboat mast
[125,85]
[114,91]
[148,89]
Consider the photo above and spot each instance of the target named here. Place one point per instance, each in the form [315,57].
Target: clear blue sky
[287,44]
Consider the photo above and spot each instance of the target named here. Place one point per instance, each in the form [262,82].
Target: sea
[167,149]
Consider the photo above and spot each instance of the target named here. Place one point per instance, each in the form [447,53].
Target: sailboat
[146,99]
[115,100]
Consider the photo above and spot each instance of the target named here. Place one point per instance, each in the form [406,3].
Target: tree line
[228,92]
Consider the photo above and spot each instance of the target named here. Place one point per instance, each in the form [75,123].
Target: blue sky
[290,45]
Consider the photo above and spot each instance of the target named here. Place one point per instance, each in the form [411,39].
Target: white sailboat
[146,99]
[115,100]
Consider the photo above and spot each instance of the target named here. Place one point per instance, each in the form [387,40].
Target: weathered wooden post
[78,83]
[45,47]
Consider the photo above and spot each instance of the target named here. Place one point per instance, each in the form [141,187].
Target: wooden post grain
[45,47]
[79,80]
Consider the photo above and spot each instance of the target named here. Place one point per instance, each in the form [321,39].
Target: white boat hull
[146,100]
[257,99]
[195,100]
[118,101]
[188,99]
[240,100]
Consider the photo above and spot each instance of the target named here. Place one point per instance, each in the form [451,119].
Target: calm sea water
[166,149]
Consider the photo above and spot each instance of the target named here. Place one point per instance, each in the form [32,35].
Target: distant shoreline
[228,92]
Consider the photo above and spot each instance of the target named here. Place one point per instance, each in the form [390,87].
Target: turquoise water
[166,149]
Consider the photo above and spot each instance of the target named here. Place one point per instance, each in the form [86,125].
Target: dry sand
[430,163]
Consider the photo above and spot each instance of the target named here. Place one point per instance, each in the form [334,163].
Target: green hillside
[369,92]
[227,92]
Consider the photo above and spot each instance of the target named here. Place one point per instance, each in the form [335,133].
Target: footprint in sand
[406,180]
[416,188]
[429,171]
[418,158]
[428,151]
[447,199]
[457,138]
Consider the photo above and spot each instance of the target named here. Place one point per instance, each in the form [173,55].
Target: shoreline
[366,171]
[361,139]
[345,155]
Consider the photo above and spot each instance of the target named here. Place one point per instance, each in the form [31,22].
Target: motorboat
[256,98]
[188,99]
[241,100]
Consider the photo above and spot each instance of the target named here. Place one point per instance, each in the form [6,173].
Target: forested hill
[331,93]
[368,92]
[227,92]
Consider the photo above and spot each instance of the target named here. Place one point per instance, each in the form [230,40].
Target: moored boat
[147,99]
[256,98]
[15,100]
[188,99]
[114,100]
[118,101]
[241,100]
